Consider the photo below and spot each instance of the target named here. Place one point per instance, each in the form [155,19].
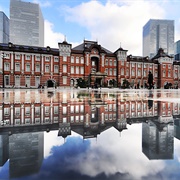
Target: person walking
[150,80]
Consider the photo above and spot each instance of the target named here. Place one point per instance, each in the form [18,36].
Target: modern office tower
[4,28]
[26,151]
[26,23]
[177,50]
[158,34]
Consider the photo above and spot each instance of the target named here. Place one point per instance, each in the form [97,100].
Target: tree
[125,84]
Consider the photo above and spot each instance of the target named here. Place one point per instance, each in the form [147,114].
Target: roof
[161,53]
[88,45]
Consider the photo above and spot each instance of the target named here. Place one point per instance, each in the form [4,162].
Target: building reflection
[25,115]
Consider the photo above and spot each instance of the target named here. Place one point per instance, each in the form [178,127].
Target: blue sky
[110,22]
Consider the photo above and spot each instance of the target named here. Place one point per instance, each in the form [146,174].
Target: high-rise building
[158,34]
[177,50]
[26,23]
[4,28]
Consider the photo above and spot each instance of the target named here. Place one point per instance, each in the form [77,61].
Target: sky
[112,23]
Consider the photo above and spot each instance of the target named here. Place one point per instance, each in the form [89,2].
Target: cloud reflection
[108,158]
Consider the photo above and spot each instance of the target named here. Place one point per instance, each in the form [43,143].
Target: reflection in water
[25,115]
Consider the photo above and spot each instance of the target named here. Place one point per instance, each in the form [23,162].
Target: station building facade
[29,66]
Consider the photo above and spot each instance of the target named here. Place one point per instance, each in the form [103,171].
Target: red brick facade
[25,66]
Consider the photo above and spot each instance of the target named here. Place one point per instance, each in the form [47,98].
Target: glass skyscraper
[177,50]
[4,28]
[26,23]
[158,34]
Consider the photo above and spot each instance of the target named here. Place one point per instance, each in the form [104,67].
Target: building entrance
[50,83]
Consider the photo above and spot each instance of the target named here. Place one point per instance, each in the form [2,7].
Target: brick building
[30,66]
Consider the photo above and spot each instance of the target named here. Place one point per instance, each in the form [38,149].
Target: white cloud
[42,4]
[112,153]
[116,22]
[52,38]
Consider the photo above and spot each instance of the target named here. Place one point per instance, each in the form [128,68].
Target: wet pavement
[73,134]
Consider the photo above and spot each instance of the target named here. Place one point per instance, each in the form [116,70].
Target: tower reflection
[25,115]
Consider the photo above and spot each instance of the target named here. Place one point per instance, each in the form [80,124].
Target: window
[82,118]
[114,72]
[64,68]
[122,107]
[133,72]
[6,80]
[27,67]
[139,72]
[122,71]
[82,70]
[164,73]
[37,58]
[72,109]
[122,63]
[56,109]
[64,79]
[64,109]
[6,111]
[81,108]
[56,68]
[6,66]
[47,58]
[37,120]
[127,72]
[82,60]
[115,63]
[72,118]
[110,62]
[169,73]
[27,111]
[156,74]
[6,56]
[106,62]
[17,56]
[27,120]
[37,68]
[72,59]
[77,70]
[133,65]
[56,59]
[28,81]
[64,58]
[110,71]
[77,59]
[106,70]
[17,66]
[17,121]
[77,109]
[28,57]
[72,69]
[37,111]
[47,68]
[46,109]
[17,81]
[17,111]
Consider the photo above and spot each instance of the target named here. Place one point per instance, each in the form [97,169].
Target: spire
[65,42]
